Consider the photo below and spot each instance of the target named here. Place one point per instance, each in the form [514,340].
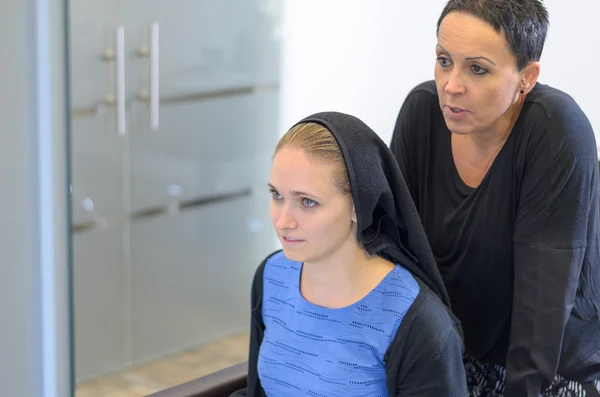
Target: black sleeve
[431,362]
[253,387]
[436,372]
[557,192]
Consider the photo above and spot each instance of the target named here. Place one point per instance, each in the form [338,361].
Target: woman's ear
[530,75]
[354,215]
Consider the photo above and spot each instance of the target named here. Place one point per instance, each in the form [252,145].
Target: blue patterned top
[309,350]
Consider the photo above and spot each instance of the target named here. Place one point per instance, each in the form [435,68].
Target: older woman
[504,174]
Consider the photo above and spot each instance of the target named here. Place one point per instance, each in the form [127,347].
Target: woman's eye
[309,203]
[444,62]
[275,195]
[478,70]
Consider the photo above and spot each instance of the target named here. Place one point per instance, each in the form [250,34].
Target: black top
[519,254]
[424,360]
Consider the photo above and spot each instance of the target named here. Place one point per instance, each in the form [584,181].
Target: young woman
[354,304]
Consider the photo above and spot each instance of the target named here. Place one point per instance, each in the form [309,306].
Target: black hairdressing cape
[425,358]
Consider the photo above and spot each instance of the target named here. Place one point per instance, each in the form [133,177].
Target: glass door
[98,156]
[174,121]
[201,144]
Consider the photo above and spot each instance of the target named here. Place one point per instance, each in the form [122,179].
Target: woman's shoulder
[277,259]
[400,281]
[419,116]
[555,121]
[428,311]
[273,259]
[426,86]
[427,317]
[423,93]
[555,107]
[428,322]
[277,263]
[552,100]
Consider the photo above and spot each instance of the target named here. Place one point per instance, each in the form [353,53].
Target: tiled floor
[171,371]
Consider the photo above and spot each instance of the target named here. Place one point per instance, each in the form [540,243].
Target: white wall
[571,57]
[363,57]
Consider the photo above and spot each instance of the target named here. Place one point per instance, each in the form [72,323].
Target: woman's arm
[253,387]
[558,190]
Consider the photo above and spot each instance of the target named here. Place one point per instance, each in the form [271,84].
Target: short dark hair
[524,22]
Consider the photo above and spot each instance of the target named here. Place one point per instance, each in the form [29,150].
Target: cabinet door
[96,190]
[169,223]
[198,183]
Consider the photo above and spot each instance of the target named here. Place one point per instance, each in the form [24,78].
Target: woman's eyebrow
[469,58]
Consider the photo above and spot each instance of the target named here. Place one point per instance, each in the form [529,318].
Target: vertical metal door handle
[154,77]
[120,56]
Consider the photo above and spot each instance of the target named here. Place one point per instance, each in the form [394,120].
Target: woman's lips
[455,113]
[291,240]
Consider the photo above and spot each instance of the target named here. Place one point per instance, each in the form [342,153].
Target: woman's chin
[458,128]
[296,255]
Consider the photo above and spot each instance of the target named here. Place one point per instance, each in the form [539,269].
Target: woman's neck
[342,278]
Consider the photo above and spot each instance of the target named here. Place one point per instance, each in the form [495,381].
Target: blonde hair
[319,144]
